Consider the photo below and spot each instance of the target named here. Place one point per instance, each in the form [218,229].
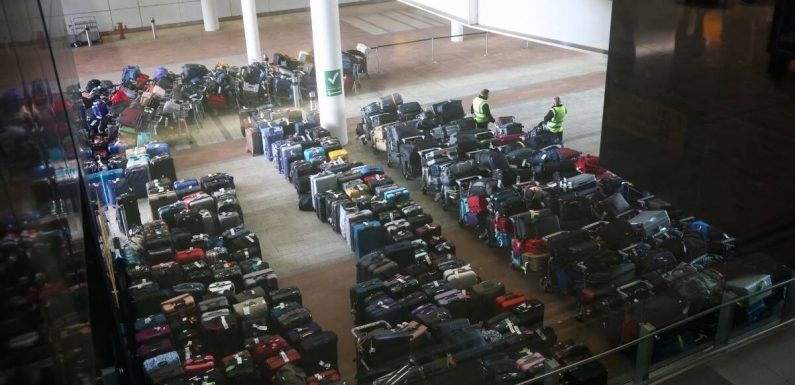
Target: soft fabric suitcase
[275,363]
[221,331]
[461,278]
[195,365]
[387,310]
[185,187]
[163,367]
[162,166]
[240,368]
[400,286]
[401,253]
[318,351]
[454,301]
[430,314]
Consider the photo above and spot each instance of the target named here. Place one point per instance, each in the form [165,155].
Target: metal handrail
[790,282]
[432,40]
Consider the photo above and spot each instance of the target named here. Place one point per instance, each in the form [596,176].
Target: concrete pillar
[328,66]
[251,30]
[210,15]
[456,29]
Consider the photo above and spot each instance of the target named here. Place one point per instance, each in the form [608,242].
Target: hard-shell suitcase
[221,331]
[367,236]
[162,166]
[461,278]
[430,314]
[651,222]
[137,175]
[185,187]
[484,299]
[270,133]
[387,310]
[401,253]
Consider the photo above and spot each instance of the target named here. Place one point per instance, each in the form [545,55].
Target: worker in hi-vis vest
[480,110]
[555,117]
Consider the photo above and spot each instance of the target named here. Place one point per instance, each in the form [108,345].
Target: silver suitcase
[750,284]
[462,278]
[321,182]
[651,221]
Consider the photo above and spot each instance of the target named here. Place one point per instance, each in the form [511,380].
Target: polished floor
[306,253]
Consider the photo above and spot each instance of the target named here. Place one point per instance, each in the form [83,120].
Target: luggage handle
[546,238]
[552,147]
[593,225]
[369,327]
[411,138]
[623,288]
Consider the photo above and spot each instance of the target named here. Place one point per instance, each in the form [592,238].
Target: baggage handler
[480,109]
[555,117]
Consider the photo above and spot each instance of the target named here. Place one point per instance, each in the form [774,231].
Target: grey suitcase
[209,222]
[354,218]
[228,220]
[321,182]
[651,222]
[462,278]
[750,284]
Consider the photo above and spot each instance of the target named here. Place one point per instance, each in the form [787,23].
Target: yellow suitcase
[338,154]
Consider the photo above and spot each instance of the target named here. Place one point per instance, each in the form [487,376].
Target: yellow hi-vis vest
[556,123]
[477,106]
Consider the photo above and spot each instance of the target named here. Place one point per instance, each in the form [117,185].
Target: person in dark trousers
[555,117]
[481,111]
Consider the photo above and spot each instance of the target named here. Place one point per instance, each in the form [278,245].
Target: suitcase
[270,133]
[163,367]
[221,331]
[195,365]
[127,211]
[156,148]
[391,102]
[400,286]
[189,256]
[154,348]
[284,295]
[162,166]
[239,368]
[387,310]
[430,314]
[462,278]
[484,299]
[314,152]
[449,111]
[137,175]
[318,352]
[455,301]
[651,222]
[265,279]
[251,309]
[167,274]
[213,304]
[408,111]
[367,236]
[211,183]
[402,253]
[185,187]
[275,363]
[510,300]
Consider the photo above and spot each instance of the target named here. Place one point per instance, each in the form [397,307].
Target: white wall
[137,13]
[584,23]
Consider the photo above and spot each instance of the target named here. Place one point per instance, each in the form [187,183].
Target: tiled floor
[305,252]
[764,362]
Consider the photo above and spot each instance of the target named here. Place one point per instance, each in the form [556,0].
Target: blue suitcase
[397,195]
[184,187]
[137,176]
[371,170]
[163,367]
[502,239]
[168,213]
[277,154]
[100,180]
[367,237]
[314,152]
[118,147]
[271,133]
[387,310]
[289,154]
[156,148]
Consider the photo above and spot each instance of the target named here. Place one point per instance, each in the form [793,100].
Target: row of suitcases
[402,251]
[208,309]
[593,201]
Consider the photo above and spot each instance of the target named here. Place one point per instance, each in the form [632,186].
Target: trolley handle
[423,152]
[546,238]
[622,290]
[595,224]
[368,327]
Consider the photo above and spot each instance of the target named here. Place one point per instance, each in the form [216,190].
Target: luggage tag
[284,356]
[223,322]
[239,359]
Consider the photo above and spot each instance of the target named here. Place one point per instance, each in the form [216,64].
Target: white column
[210,15]
[456,29]
[251,30]
[328,66]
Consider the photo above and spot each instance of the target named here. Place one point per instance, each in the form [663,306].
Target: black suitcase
[401,253]
[162,166]
[484,299]
[286,294]
[128,214]
[318,352]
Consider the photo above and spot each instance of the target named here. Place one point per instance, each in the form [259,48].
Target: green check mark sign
[333,81]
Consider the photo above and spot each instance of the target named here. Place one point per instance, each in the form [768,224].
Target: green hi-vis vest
[477,106]
[556,124]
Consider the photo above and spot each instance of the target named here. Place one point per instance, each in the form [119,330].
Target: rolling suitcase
[484,299]
[137,175]
[128,214]
[162,166]
[367,237]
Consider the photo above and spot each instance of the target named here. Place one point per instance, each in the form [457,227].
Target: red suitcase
[268,347]
[330,376]
[199,364]
[216,100]
[273,364]
[511,300]
[194,254]
[427,232]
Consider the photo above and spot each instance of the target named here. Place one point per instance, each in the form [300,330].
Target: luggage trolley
[459,193]
[434,157]
[361,336]
[426,159]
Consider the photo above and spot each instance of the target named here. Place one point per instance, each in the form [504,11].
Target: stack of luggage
[205,306]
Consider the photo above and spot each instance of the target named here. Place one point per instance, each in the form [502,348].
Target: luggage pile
[207,308]
[586,231]
[414,298]
[120,175]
